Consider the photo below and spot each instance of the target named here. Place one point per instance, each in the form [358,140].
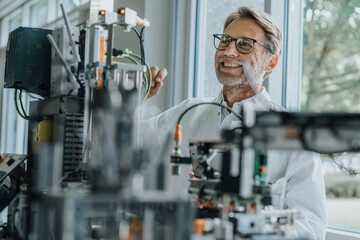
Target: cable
[142,46]
[140,36]
[132,57]
[82,87]
[178,135]
[22,106]
[34,97]
[341,166]
[212,156]
[77,170]
[148,79]
[17,107]
[142,55]
[209,103]
[137,32]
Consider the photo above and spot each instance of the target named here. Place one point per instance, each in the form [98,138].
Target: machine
[82,177]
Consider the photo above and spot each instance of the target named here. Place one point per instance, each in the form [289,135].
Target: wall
[157,43]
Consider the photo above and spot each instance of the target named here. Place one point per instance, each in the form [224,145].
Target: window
[325,68]
[14,22]
[34,14]
[68,6]
[13,128]
[330,82]
[38,14]
[211,17]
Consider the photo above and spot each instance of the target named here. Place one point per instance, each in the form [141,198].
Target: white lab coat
[296,177]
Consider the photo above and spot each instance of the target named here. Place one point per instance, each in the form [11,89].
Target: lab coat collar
[260,102]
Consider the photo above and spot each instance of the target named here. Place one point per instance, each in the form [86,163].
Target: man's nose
[230,50]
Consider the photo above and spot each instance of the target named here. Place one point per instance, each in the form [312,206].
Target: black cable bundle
[142,52]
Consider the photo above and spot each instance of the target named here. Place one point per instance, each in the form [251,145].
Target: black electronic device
[12,174]
[28,60]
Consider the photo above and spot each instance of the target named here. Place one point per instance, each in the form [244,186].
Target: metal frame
[333,233]
[275,84]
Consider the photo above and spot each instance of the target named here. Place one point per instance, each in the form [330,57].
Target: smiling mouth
[230,65]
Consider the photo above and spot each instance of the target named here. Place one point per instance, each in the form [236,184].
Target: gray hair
[273,34]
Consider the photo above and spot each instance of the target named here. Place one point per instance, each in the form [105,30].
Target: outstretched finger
[161,75]
[154,71]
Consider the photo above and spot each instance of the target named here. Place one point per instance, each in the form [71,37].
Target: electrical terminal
[177,140]
[129,19]
[107,17]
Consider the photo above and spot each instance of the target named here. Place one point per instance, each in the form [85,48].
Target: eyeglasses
[243,44]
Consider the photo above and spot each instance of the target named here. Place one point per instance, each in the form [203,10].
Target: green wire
[132,56]
[132,59]
[149,80]
[145,78]
[22,106]
[17,107]
[148,69]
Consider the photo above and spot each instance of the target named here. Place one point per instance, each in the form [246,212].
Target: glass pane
[38,14]
[331,63]
[331,55]
[14,22]
[69,5]
[215,12]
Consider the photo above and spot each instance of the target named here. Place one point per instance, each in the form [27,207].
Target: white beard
[228,79]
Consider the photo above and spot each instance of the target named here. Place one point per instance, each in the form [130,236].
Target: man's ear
[274,59]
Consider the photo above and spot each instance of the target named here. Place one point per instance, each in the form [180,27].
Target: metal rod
[72,42]
[109,45]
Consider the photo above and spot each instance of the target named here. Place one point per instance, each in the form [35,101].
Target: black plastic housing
[28,60]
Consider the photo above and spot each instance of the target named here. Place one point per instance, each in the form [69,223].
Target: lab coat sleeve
[154,132]
[302,188]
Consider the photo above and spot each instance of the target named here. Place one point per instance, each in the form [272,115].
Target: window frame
[275,84]
[11,120]
[292,80]
[293,98]
[35,5]
[183,50]
[336,233]
[293,50]
[5,26]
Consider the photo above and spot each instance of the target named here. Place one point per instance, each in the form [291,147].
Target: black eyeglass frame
[218,36]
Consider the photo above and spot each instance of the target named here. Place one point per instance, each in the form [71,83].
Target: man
[249,37]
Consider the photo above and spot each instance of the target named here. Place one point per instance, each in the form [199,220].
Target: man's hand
[158,76]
